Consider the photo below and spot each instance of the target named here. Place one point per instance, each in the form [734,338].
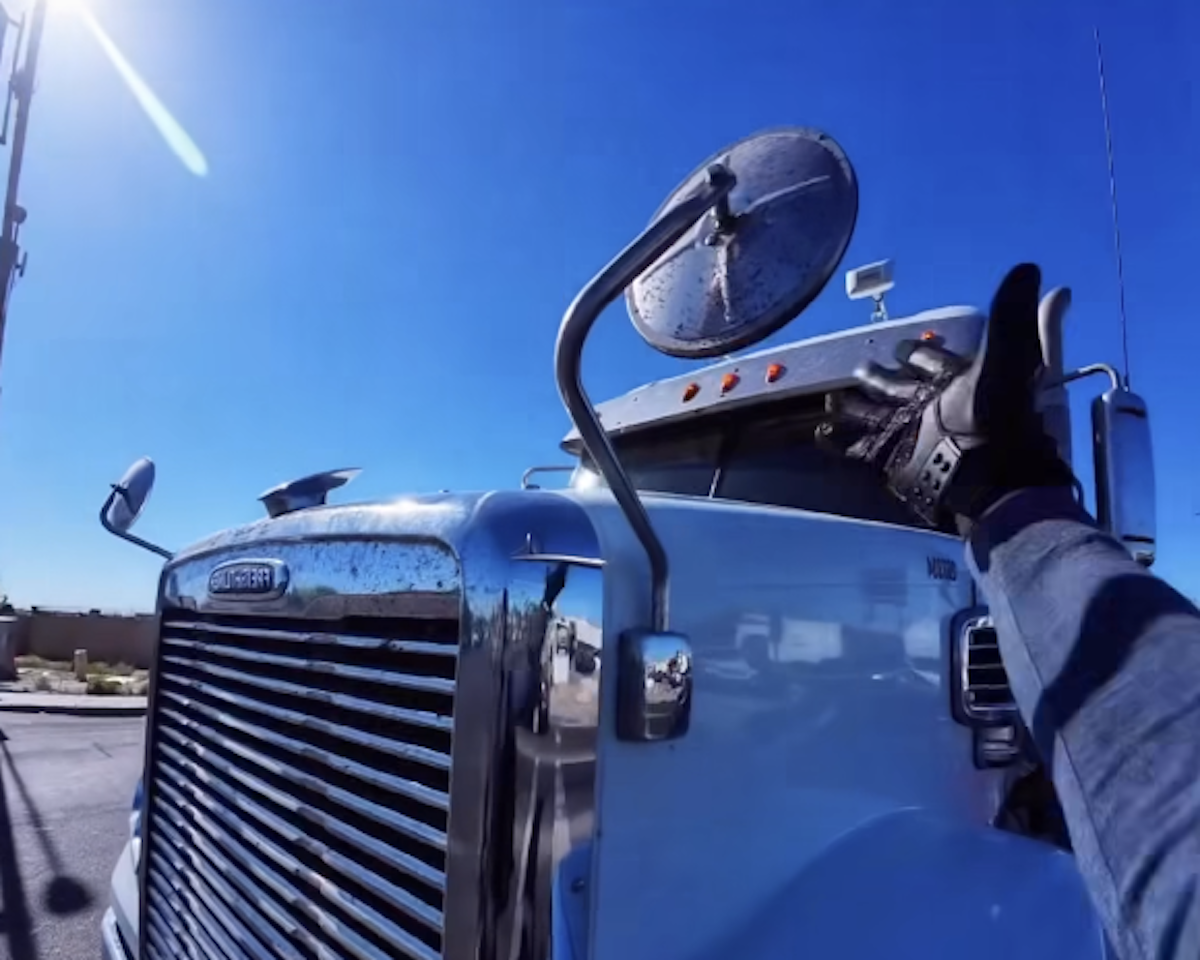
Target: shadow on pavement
[63,895]
[14,920]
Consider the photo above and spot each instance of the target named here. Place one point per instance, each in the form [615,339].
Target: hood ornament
[309,491]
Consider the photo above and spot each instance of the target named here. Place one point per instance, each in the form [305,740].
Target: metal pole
[14,214]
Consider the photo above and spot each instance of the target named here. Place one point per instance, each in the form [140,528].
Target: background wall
[112,638]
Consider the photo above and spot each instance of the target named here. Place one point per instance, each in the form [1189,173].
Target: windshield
[753,458]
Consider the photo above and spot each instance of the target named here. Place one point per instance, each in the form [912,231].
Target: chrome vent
[983,692]
[299,788]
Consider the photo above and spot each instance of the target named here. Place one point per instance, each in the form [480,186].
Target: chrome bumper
[119,928]
[114,947]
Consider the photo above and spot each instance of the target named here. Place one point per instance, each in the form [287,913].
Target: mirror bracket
[577,323]
[119,491]
[1123,460]
[1091,370]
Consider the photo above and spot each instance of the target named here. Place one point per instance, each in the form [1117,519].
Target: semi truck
[718,695]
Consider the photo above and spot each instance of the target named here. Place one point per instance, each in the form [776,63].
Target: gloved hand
[952,437]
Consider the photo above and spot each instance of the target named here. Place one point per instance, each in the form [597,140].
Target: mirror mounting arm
[1092,369]
[577,323]
[119,491]
[1123,459]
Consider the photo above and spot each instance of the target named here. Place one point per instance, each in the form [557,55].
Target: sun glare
[182,145]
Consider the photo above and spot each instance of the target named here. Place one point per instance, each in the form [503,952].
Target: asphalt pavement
[64,817]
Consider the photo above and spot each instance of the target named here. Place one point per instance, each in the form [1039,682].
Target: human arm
[1104,662]
[1104,658]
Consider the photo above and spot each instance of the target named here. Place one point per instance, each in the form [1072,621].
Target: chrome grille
[299,789]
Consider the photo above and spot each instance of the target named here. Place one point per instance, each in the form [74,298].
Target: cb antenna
[1112,186]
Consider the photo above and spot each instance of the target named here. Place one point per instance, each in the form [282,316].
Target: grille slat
[345,937]
[187,834]
[364,808]
[155,949]
[326,699]
[187,863]
[169,946]
[201,918]
[271,849]
[192,886]
[250,866]
[364,843]
[340,639]
[361,841]
[352,768]
[166,939]
[300,788]
[404,680]
[325,920]
[401,751]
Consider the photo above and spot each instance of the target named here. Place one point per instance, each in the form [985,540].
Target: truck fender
[910,884]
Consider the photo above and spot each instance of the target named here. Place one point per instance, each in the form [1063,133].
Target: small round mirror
[130,494]
[755,262]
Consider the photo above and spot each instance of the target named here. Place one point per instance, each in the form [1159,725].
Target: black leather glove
[951,436]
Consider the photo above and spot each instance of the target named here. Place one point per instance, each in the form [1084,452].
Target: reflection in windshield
[750,458]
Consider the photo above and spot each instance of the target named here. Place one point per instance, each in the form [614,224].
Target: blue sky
[404,196]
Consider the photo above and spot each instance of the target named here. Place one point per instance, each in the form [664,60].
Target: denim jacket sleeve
[1104,661]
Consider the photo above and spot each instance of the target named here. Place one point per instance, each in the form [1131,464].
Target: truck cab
[719,674]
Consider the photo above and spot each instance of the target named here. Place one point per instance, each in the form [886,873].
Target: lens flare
[182,145]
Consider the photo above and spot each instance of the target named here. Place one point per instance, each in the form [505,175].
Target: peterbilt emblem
[248,579]
[941,569]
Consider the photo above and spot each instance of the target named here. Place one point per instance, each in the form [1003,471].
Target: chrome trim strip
[525,722]
[559,558]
